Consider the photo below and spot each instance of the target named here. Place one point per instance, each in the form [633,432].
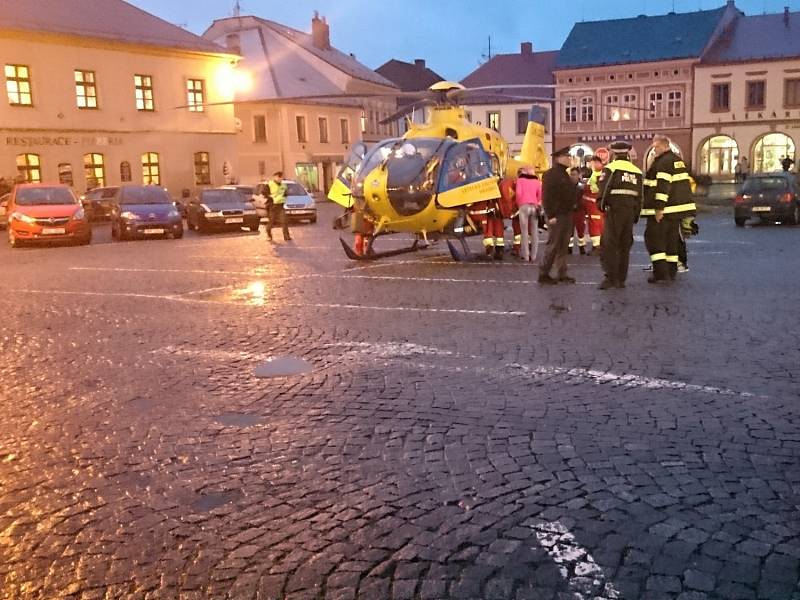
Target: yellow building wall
[60,132]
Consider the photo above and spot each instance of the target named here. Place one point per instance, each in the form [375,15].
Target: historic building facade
[125,98]
[280,124]
[747,96]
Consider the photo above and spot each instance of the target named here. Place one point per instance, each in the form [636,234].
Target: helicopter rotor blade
[407,110]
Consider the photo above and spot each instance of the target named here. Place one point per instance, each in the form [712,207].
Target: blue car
[142,211]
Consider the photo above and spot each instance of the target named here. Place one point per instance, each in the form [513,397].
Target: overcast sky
[452,35]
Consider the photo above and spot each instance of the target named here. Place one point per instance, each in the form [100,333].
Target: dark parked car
[98,202]
[770,197]
[141,211]
[221,208]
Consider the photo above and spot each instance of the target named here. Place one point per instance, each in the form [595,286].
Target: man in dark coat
[559,200]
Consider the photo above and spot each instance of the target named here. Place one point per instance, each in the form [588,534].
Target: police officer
[620,190]
[667,200]
[277,216]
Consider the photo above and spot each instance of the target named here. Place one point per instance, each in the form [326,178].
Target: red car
[41,212]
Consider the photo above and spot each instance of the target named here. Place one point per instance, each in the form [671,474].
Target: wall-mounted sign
[30,141]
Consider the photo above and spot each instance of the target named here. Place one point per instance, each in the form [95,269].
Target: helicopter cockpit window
[413,169]
[465,163]
[374,157]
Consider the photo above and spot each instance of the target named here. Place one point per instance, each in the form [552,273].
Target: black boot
[582,250]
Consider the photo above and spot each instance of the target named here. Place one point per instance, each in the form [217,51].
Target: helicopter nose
[409,200]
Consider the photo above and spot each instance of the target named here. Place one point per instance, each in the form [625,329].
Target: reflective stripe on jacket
[667,187]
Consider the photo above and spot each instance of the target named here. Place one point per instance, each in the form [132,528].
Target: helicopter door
[340,191]
[467,176]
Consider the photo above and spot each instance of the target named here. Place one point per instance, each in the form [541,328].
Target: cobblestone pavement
[464,433]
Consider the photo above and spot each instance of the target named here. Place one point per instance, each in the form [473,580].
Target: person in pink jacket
[529,200]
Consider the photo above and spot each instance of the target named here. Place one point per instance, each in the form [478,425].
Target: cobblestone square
[462,433]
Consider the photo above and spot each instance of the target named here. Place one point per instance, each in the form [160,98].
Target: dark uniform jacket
[667,187]
[620,183]
[558,192]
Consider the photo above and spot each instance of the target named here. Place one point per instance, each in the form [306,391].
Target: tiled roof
[285,63]
[640,39]
[409,77]
[758,37]
[104,19]
[514,69]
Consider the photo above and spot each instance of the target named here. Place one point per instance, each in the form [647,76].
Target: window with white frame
[612,107]
[587,109]
[570,110]
[656,105]
[674,104]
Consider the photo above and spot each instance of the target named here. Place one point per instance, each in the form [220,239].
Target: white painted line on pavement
[443,279]
[169,298]
[192,271]
[583,575]
[463,311]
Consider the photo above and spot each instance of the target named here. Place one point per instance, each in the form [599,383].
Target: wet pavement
[461,432]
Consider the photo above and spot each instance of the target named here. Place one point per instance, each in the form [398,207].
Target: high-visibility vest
[667,187]
[277,191]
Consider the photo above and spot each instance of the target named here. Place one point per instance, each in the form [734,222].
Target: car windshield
[765,184]
[229,196]
[148,194]
[245,191]
[45,195]
[295,189]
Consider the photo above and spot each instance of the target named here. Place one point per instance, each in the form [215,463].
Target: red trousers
[579,227]
[596,220]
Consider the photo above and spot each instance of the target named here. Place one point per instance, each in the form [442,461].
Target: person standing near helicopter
[558,199]
[277,214]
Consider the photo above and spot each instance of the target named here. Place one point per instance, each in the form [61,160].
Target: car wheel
[313,220]
[740,221]
[253,228]
[13,242]
[85,241]
[178,234]
[114,233]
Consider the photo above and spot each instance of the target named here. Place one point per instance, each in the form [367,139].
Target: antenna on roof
[237,9]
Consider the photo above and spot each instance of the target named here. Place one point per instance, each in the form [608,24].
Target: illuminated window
[95,168]
[150,169]
[18,85]
[628,106]
[144,92]
[259,128]
[65,174]
[791,93]
[363,122]
[345,128]
[202,169]
[656,105]
[29,168]
[493,120]
[587,109]
[674,104]
[300,123]
[756,94]
[85,89]
[323,130]
[571,110]
[612,111]
[721,97]
[195,95]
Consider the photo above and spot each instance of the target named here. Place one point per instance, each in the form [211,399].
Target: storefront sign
[30,141]
[629,137]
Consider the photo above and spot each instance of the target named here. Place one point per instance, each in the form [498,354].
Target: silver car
[300,206]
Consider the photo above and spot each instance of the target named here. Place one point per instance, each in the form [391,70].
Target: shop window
[85,89]
[29,168]
[195,95]
[202,168]
[718,155]
[18,85]
[770,150]
[308,175]
[144,93]
[95,169]
[151,171]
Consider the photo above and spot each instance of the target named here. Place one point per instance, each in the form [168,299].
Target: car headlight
[128,216]
[18,216]
[173,214]
[79,215]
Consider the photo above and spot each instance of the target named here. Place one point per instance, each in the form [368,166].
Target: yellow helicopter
[424,182]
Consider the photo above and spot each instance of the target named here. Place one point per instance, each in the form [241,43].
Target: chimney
[526,48]
[320,32]
[419,62]
[786,16]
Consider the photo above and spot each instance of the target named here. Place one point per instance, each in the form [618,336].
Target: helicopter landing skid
[370,254]
[465,254]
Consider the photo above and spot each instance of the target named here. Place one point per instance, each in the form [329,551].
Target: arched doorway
[769,150]
[717,155]
[650,156]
